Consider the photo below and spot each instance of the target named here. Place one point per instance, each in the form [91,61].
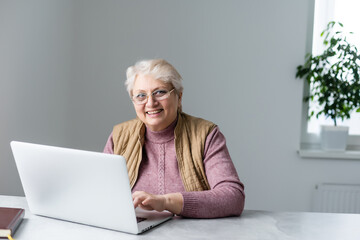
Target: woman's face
[157,115]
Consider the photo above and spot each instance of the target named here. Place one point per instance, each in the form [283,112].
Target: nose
[151,101]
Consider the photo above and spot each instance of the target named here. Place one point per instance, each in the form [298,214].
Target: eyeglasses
[157,95]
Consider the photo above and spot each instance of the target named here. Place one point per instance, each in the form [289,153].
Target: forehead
[148,83]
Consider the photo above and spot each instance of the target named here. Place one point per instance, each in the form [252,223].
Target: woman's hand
[173,202]
[149,201]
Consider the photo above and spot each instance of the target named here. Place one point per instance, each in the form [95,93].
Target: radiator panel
[337,198]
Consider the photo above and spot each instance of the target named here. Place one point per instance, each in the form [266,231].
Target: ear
[179,102]
[180,98]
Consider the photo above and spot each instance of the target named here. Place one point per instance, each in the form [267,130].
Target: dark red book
[10,219]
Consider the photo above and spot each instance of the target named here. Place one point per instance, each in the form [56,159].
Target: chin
[154,125]
[158,126]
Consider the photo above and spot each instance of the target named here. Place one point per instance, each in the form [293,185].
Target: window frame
[312,140]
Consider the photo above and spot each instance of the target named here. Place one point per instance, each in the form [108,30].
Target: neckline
[162,136]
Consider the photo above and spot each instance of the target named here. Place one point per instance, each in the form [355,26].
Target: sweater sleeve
[109,146]
[226,196]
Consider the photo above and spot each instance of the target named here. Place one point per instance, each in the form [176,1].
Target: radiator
[337,198]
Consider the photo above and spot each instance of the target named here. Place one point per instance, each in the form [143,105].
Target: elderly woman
[176,162]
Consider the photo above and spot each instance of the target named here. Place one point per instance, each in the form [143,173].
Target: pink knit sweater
[159,174]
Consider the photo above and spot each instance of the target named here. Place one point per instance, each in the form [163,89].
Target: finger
[148,201]
[149,208]
[137,200]
[154,202]
[144,199]
[137,194]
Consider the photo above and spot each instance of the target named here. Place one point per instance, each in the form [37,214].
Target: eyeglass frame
[147,97]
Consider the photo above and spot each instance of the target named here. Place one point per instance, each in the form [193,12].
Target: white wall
[64,63]
[35,69]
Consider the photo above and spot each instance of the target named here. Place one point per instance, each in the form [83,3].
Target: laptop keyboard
[140,219]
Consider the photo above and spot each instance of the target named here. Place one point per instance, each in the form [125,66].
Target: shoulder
[196,122]
[127,127]
[129,124]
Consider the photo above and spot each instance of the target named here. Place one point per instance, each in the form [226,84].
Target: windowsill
[317,153]
[313,150]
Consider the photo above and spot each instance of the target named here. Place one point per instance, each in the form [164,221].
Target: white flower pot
[334,138]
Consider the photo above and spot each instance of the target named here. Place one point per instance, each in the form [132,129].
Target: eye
[159,93]
[140,96]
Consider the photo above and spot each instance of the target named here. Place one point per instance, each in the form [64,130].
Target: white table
[251,225]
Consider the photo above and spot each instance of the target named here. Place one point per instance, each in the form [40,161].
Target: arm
[226,196]
[109,146]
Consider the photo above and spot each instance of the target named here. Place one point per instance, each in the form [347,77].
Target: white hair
[158,69]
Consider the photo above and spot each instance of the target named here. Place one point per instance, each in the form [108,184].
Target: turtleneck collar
[162,136]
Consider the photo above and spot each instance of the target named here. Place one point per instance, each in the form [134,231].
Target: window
[346,12]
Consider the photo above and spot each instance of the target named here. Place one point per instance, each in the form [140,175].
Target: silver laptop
[81,186]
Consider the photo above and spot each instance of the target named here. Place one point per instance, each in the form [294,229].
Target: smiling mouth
[154,112]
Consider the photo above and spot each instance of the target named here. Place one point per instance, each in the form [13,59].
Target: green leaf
[333,76]
[327,35]
[331,24]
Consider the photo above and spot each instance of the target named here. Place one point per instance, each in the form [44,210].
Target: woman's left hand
[172,202]
[149,201]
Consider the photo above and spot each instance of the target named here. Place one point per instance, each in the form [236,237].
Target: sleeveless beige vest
[190,136]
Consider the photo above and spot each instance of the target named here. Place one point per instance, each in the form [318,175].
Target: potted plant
[334,82]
